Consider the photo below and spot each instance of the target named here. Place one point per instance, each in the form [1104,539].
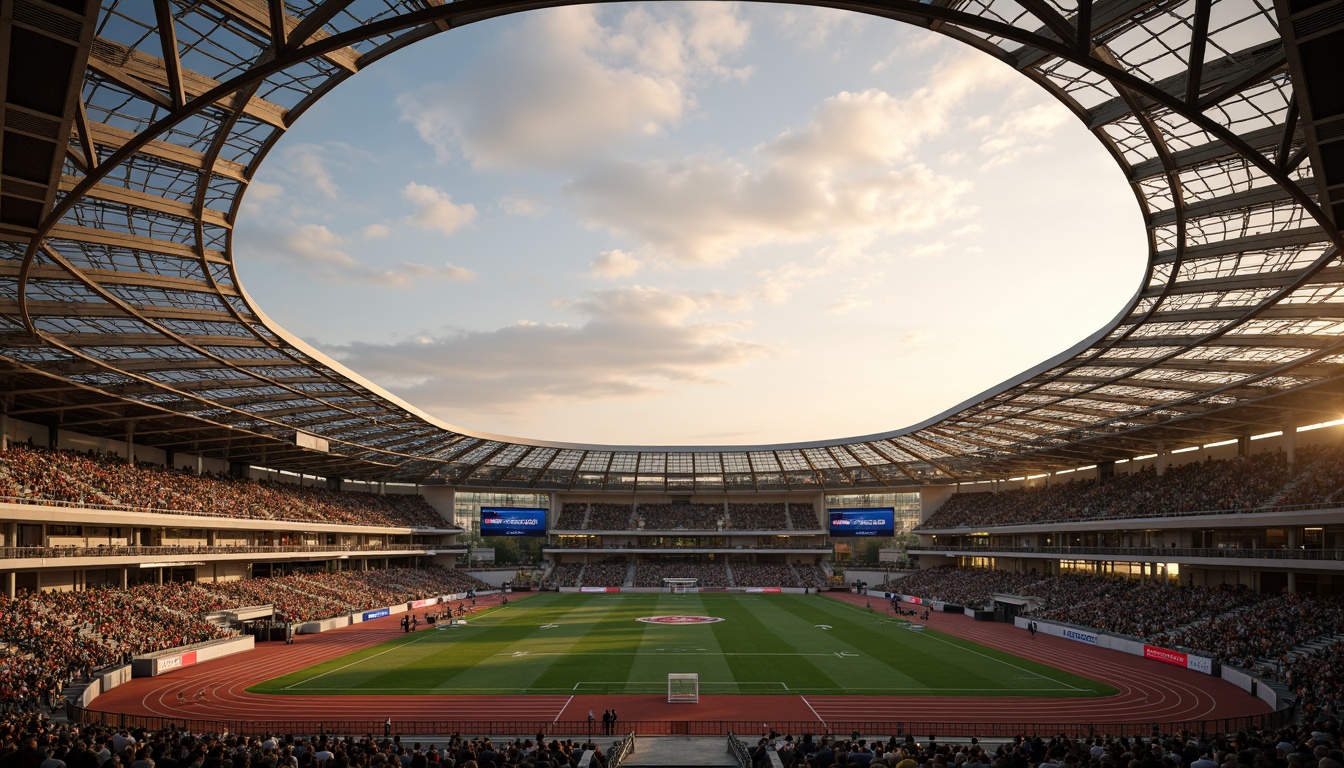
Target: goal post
[681,586]
[683,688]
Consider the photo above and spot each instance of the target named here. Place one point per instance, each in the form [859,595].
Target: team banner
[1081,637]
[1165,655]
[599,589]
[378,614]
[423,603]
[1199,664]
[174,662]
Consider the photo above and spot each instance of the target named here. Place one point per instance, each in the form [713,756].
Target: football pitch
[627,644]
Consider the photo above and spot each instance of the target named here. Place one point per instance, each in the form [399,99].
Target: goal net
[681,586]
[683,688]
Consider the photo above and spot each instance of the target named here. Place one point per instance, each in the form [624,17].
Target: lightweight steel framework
[132,129]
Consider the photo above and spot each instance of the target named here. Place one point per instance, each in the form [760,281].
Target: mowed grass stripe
[864,658]
[669,648]
[598,646]
[761,627]
[605,649]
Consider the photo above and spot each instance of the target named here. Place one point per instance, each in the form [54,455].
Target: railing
[18,553]
[106,507]
[1156,553]
[579,728]
[621,750]
[738,749]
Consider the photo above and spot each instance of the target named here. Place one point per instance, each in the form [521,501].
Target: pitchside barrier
[578,729]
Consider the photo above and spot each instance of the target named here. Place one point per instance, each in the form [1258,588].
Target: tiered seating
[709,574]
[610,517]
[764,575]
[571,516]
[1230,484]
[671,517]
[757,517]
[36,475]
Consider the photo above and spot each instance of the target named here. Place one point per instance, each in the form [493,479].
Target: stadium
[210,527]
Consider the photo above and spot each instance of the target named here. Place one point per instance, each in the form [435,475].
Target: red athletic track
[1149,691]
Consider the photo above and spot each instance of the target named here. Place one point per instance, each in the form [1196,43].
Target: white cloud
[849,304]
[632,342]
[516,205]
[843,174]
[613,264]
[564,84]
[319,253]
[435,209]
[375,231]
[311,165]
[816,28]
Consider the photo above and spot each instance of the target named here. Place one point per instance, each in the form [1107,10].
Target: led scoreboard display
[876,521]
[513,521]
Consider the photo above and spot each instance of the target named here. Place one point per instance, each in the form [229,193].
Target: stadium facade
[132,129]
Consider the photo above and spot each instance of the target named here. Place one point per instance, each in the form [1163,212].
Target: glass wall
[905,504]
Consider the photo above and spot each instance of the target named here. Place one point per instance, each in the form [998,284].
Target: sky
[689,224]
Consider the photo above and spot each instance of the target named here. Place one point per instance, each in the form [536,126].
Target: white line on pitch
[358,661]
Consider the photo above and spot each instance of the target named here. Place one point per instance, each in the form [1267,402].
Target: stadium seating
[36,475]
[50,638]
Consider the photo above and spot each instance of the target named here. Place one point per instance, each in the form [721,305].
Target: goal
[683,688]
[681,586]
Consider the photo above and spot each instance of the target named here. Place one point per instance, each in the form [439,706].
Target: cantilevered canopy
[131,130]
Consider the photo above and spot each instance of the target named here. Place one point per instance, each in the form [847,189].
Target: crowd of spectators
[606,573]
[571,516]
[566,575]
[773,516]
[675,517]
[763,575]
[32,474]
[813,576]
[33,740]
[48,639]
[1320,477]
[1260,636]
[1214,485]
[706,574]
[1290,637]
[1312,745]
[605,516]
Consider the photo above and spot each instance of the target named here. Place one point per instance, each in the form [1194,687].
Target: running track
[1149,691]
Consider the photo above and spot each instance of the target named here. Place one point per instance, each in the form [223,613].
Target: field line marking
[562,710]
[820,719]
[358,661]
[1005,663]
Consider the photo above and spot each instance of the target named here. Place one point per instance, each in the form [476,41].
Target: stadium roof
[132,128]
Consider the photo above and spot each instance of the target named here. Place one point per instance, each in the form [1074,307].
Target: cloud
[849,304]
[312,165]
[375,231]
[320,253]
[815,28]
[613,264]
[564,84]
[845,173]
[631,342]
[515,205]
[435,209]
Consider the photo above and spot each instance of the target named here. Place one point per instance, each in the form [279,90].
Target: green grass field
[766,644]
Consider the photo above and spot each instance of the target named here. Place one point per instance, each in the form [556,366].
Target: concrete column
[10,584]
[4,424]
[1162,458]
[160,572]
[1290,441]
[125,577]
[1292,583]
[1293,538]
[1244,445]
[130,441]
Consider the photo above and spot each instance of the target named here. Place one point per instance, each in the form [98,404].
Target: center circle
[679,619]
